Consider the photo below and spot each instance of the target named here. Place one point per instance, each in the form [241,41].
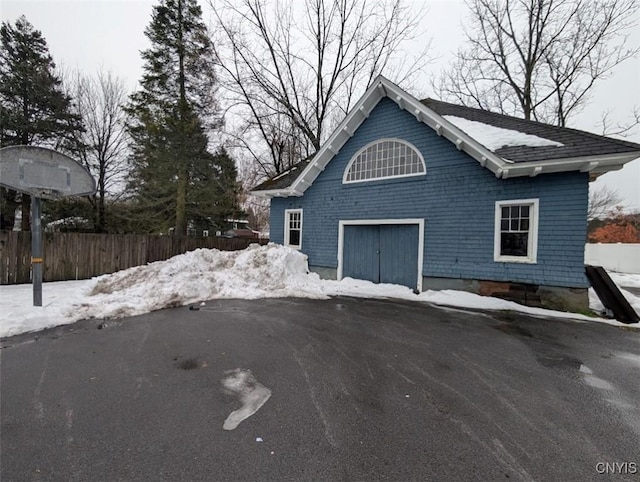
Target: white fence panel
[623,258]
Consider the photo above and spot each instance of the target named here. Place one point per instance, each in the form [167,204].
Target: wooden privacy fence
[71,256]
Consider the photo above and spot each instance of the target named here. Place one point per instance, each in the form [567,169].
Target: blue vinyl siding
[456,198]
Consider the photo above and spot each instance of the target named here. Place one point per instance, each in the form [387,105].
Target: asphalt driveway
[361,390]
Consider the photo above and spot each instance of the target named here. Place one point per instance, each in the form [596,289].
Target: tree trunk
[102,218]
[181,195]
[181,204]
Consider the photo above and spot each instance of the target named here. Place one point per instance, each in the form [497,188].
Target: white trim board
[393,176]
[287,227]
[502,168]
[377,222]
[534,214]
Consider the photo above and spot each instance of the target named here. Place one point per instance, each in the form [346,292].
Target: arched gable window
[384,159]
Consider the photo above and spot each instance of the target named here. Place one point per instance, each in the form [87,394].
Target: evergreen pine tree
[34,110]
[217,191]
[174,177]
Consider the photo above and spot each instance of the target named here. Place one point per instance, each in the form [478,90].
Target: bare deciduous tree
[620,129]
[602,202]
[294,69]
[102,147]
[538,59]
[257,208]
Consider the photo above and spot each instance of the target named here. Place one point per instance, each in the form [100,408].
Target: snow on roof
[284,173]
[493,138]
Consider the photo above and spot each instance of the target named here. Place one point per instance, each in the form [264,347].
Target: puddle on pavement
[570,363]
[563,362]
[510,329]
[188,364]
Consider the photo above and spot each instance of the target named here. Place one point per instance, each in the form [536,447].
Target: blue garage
[433,195]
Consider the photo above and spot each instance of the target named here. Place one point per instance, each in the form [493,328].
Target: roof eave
[447,129]
[595,165]
[502,168]
[382,87]
[269,193]
[345,130]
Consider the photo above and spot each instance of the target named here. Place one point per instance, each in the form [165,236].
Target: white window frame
[532,247]
[377,141]
[287,227]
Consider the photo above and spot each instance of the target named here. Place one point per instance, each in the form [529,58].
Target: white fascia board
[382,87]
[446,129]
[269,193]
[502,168]
[593,164]
[341,135]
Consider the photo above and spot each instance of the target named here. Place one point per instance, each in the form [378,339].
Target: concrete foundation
[552,297]
[324,273]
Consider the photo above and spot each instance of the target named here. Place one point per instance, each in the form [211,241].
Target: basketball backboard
[43,173]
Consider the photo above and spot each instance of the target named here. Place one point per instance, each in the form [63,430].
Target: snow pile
[494,138]
[270,271]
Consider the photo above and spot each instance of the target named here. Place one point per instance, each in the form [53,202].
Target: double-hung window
[293,228]
[516,231]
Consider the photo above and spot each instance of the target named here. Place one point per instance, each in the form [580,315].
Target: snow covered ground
[622,280]
[271,271]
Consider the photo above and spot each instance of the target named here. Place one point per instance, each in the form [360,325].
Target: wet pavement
[358,390]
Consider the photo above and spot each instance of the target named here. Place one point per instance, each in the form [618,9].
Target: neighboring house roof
[525,148]
[284,179]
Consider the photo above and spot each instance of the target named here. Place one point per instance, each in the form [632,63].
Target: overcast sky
[109,34]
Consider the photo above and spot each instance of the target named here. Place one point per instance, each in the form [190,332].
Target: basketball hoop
[52,194]
[42,173]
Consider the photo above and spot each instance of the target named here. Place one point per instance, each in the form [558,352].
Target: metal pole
[36,249]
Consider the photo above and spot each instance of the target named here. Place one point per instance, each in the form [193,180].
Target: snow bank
[271,271]
[18,314]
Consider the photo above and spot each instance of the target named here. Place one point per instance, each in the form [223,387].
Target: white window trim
[376,222]
[384,139]
[532,248]
[287,227]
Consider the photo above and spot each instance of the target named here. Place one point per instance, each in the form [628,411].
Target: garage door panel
[399,254]
[385,253]
[360,253]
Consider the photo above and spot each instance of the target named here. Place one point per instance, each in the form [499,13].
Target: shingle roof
[575,143]
[284,180]
[547,148]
